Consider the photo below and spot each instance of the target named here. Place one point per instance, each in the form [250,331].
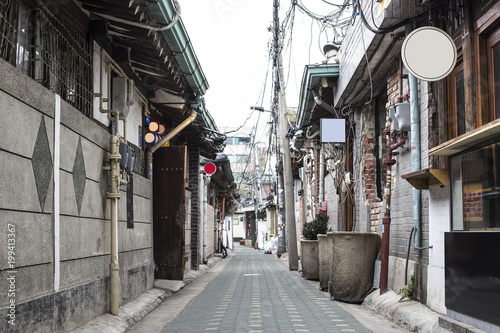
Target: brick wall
[402,219]
[194,165]
[370,169]
[375,216]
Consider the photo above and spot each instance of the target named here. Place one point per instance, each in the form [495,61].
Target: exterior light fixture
[153,126]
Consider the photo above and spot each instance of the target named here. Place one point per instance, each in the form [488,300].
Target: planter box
[353,263]
[310,259]
[325,260]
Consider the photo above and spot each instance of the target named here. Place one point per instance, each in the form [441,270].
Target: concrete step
[456,326]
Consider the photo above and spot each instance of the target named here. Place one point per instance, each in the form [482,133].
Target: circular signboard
[210,168]
[429,53]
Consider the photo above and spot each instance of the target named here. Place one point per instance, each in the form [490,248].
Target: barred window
[43,44]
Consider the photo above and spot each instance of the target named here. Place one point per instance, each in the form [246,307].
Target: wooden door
[169,212]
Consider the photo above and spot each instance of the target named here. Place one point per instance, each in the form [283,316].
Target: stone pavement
[250,291]
[257,293]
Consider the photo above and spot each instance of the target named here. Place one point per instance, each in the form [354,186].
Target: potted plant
[309,246]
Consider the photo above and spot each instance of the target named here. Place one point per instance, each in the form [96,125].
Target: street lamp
[259,108]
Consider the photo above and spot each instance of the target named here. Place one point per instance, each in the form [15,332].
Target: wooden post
[469,68]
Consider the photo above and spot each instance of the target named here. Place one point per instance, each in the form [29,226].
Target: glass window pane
[475,195]
[496,78]
[456,195]
[24,34]
[460,102]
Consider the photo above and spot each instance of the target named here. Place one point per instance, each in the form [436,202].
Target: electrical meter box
[403,116]
[392,118]
[400,117]
[122,95]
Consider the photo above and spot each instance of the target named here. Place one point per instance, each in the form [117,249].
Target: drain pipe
[321,174]
[114,194]
[415,149]
[155,147]
[393,143]
[113,158]
[304,189]
[322,103]
[206,181]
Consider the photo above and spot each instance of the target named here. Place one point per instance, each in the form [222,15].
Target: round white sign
[429,53]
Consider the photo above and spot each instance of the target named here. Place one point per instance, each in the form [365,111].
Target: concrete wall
[238,226]
[211,227]
[332,204]
[188,232]
[196,207]
[59,295]
[439,223]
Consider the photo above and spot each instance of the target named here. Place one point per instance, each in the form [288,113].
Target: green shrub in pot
[317,226]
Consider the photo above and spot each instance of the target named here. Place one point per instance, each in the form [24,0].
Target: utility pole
[257,173]
[279,91]
[257,183]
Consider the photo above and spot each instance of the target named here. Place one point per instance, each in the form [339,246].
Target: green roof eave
[310,79]
[208,120]
[178,40]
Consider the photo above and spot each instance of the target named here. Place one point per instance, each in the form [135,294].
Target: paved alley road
[255,292]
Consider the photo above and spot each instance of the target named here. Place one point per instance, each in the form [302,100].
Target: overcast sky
[230,38]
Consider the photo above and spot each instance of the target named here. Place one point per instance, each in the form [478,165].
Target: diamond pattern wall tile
[41,162]
[103,186]
[79,176]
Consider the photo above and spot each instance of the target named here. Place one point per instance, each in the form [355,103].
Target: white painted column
[57,154]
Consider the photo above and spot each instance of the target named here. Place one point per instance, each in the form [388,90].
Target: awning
[468,140]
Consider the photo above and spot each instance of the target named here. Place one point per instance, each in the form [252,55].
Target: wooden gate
[169,212]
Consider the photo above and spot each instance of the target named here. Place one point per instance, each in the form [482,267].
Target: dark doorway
[169,212]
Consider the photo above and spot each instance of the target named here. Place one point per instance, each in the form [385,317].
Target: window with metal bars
[42,43]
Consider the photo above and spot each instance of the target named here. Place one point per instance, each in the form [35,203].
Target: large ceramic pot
[310,259]
[325,260]
[353,264]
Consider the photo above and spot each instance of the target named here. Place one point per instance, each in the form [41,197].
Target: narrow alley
[255,292]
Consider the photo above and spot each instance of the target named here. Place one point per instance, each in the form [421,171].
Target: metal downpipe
[393,143]
[114,194]
[206,180]
[321,174]
[415,149]
[155,147]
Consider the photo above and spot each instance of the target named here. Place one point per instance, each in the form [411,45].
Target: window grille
[43,44]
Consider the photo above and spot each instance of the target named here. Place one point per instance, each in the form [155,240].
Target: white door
[261,233]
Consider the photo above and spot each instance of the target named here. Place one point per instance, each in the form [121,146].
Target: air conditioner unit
[123,94]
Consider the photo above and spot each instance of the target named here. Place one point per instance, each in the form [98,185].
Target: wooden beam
[424,178]
[467,140]
[469,68]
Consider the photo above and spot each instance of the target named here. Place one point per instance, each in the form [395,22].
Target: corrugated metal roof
[163,60]
[311,79]
[177,38]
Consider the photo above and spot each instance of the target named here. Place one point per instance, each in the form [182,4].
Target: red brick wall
[370,182]
[370,185]
[375,216]
[393,85]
